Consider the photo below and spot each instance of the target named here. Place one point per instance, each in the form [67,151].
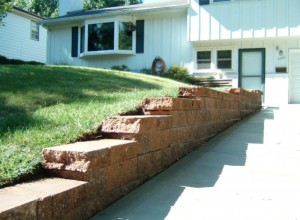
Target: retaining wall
[135,149]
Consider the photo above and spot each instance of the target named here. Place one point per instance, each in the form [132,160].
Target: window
[203,59]
[203,2]
[125,35]
[101,36]
[224,59]
[111,37]
[34,31]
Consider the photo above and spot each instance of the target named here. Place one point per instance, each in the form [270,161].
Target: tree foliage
[5,6]
[44,8]
[49,8]
[95,4]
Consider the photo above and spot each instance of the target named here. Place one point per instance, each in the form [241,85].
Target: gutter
[72,17]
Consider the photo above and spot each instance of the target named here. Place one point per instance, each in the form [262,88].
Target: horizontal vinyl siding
[247,19]
[165,36]
[16,43]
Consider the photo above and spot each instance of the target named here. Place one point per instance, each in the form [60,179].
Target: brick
[121,174]
[87,156]
[212,103]
[150,163]
[166,104]
[198,92]
[169,156]
[180,118]
[136,124]
[160,139]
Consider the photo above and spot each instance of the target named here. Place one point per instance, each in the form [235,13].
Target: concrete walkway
[250,171]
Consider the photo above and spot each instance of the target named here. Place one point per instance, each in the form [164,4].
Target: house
[22,37]
[253,42]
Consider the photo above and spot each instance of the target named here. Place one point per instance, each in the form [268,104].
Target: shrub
[4,60]
[120,68]
[146,70]
[178,73]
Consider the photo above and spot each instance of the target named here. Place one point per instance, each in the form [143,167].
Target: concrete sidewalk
[250,171]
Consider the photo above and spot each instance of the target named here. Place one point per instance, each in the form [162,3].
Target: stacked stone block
[136,148]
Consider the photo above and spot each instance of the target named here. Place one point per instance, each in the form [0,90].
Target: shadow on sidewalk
[200,169]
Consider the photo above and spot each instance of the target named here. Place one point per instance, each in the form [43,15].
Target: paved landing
[250,171]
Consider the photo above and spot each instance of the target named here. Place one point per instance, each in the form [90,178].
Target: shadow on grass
[24,89]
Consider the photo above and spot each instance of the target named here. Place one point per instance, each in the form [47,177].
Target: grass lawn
[44,106]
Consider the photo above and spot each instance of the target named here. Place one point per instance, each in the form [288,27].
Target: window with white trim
[203,60]
[108,37]
[224,59]
[34,31]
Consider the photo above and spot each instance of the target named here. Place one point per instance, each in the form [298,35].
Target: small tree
[5,6]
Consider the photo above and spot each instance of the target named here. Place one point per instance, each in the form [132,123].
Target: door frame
[291,51]
[263,66]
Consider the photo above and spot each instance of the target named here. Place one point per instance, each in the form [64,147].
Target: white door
[294,77]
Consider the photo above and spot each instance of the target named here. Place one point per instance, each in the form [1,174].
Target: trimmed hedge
[4,60]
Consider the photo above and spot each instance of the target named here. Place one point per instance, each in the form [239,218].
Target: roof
[24,12]
[113,11]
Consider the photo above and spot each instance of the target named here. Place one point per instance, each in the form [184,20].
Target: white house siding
[244,19]
[276,85]
[165,36]
[15,39]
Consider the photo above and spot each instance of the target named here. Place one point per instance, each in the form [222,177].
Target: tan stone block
[178,135]
[85,156]
[160,139]
[211,130]
[192,117]
[201,131]
[212,103]
[121,174]
[166,104]
[197,104]
[136,124]
[150,163]
[198,92]
[157,112]
[180,118]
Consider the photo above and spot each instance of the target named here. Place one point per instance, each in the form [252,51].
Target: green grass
[44,106]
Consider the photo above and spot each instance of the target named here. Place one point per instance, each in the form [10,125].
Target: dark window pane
[204,55]
[221,0]
[101,36]
[224,58]
[224,54]
[125,35]
[203,2]
[224,64]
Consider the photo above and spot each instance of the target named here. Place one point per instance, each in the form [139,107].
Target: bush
[146,70]
[120,68]
[178,73]
[4,60]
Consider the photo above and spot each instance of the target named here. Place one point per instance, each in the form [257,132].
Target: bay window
[107,37]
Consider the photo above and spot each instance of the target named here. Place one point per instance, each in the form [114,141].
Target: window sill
[107,52]
[214,71]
